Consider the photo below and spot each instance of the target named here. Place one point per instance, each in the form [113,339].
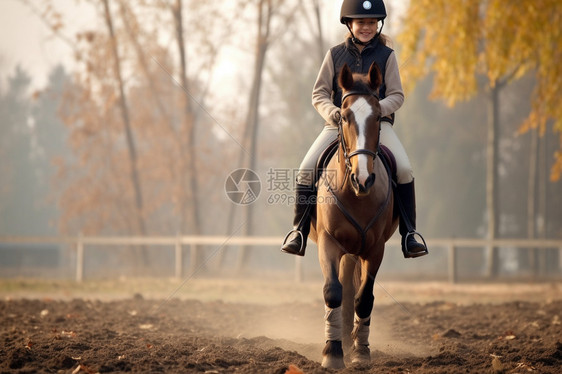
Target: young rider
[364,45]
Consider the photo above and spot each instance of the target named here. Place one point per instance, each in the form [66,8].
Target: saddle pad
[390,160]
[325,158]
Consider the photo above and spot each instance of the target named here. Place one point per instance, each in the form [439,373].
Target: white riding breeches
[404,171]
[329,133]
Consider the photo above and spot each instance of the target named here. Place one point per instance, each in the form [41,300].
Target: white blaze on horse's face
[361,111]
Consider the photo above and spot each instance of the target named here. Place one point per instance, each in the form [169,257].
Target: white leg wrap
[333,319]
[360,333]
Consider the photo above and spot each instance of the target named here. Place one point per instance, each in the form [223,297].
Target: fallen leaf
[508,335]
[146,326]
[85,369]
[294,370]
[67,334]
[497,365]
[44,312]
[522,365]
[29,344]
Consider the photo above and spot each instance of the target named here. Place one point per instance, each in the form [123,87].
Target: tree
[501,39]
[17,169]
[271,20]
[50,136]
[459,42]
[131,144]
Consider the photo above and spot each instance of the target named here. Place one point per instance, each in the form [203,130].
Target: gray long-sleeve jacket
[326,95]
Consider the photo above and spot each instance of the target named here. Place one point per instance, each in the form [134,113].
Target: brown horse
[354,218]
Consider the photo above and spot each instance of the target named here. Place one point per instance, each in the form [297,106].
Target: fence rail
[177,242]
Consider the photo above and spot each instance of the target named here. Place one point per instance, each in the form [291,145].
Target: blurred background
[128,119]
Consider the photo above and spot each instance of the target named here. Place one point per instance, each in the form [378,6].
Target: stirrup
[301,250]
[405,251]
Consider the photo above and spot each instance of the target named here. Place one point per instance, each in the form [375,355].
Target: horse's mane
[369,82]
[361,83]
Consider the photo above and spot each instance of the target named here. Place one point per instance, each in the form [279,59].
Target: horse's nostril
[370,181]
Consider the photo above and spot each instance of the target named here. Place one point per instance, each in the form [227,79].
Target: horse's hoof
[361,355]
[333,355]
[329,362]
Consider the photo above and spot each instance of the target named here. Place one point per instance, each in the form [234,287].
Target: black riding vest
[359,62]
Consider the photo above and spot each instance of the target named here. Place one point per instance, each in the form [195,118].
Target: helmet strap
[380,31]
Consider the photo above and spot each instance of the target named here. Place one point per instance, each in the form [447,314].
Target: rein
[347,159]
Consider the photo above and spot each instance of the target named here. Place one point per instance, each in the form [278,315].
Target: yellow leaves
[501,39]
[556,171]
[443,37]
[460,39]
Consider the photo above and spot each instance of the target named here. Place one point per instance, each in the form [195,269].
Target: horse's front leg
[364,300]
[330,257]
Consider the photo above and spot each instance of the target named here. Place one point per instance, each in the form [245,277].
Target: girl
[364,45]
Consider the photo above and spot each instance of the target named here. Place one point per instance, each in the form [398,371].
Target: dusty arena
[251,326]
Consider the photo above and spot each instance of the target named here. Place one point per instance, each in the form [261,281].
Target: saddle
[385,154]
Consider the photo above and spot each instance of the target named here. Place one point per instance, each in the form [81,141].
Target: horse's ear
[375,78]
[346,78]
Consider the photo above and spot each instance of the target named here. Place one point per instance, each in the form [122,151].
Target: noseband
[363,151]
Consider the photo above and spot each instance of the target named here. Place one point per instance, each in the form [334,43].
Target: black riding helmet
[362,9]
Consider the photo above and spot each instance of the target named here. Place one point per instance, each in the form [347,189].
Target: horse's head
[360,125]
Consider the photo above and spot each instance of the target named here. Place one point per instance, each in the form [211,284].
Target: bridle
[340,204]
[362,151]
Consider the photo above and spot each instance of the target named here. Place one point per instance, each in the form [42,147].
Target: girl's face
[364,29]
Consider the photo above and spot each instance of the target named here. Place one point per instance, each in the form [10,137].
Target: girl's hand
[335,117]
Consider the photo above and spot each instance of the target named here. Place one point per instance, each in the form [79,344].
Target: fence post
[192,259]
[560,258]
[79,258]
[452,263]
[179,257]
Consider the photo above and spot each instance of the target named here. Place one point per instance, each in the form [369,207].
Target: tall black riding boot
[295,241]
[407,203]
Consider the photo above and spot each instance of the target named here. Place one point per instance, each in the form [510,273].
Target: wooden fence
[178,242]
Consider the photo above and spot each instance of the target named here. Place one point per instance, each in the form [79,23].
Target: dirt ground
[265,327]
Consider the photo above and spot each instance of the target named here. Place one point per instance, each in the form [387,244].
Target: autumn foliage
[460,42]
